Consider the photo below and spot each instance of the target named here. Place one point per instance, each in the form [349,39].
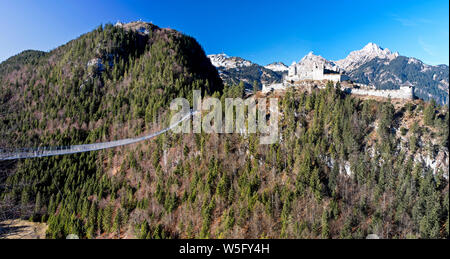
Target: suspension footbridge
[65,150]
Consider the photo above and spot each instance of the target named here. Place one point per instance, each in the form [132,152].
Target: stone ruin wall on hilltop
[300,74]
[402,93]
[405,92]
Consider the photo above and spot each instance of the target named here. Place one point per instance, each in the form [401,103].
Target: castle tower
[292,70]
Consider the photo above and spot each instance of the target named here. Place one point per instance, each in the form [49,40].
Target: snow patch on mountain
[414,61]
[225,61]
[277,67]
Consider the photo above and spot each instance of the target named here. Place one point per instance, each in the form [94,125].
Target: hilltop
[85,84]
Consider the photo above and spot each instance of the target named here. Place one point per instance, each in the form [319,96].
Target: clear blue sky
[261,31]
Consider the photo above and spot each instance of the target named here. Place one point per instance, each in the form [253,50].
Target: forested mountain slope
[94,84]
[114,82]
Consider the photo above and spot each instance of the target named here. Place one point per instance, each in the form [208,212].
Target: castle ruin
[306,73]
[314,70]
[405,91]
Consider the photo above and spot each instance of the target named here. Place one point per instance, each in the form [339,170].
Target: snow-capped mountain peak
[373,49]
[369,52]
[277,67]
[223,60]
[370,47]
[311,58]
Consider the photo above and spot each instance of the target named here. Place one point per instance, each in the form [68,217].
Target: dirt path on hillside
[22,229]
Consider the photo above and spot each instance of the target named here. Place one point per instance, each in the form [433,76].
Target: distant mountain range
[234,70]
[371,65]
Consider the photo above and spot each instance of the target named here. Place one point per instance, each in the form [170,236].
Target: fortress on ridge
[314,70]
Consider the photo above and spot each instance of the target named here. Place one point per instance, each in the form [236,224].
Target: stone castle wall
[268,88]
[335,77]
[313,71]
[402,93]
